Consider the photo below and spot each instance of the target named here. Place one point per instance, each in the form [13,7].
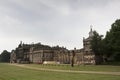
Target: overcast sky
[54,22]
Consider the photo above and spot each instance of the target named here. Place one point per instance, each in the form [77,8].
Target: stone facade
[33,53]
[38,53]
[89,56]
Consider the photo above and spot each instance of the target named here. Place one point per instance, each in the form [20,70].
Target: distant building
[38,53]
[34,53]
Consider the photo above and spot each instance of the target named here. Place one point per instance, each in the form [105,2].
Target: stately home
[39,53]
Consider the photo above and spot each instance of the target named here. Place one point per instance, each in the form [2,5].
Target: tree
[112,41]
[97,46]
[96,43]
[5,56]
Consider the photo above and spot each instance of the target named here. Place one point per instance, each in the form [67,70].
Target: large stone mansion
[39,53]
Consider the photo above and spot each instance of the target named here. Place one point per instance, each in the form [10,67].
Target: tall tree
[96,43]
[97,46]
[112,41]
[5,56]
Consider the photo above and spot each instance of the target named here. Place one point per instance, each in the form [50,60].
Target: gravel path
[70,71]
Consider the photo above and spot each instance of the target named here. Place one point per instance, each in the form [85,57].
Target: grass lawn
[103,68]
[9,72]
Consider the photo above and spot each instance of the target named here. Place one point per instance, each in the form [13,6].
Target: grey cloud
[54,22]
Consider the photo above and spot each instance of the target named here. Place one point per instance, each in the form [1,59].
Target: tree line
[5,56]
[109,46]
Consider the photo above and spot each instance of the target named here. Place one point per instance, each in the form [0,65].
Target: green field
[103,68]
[10,72]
